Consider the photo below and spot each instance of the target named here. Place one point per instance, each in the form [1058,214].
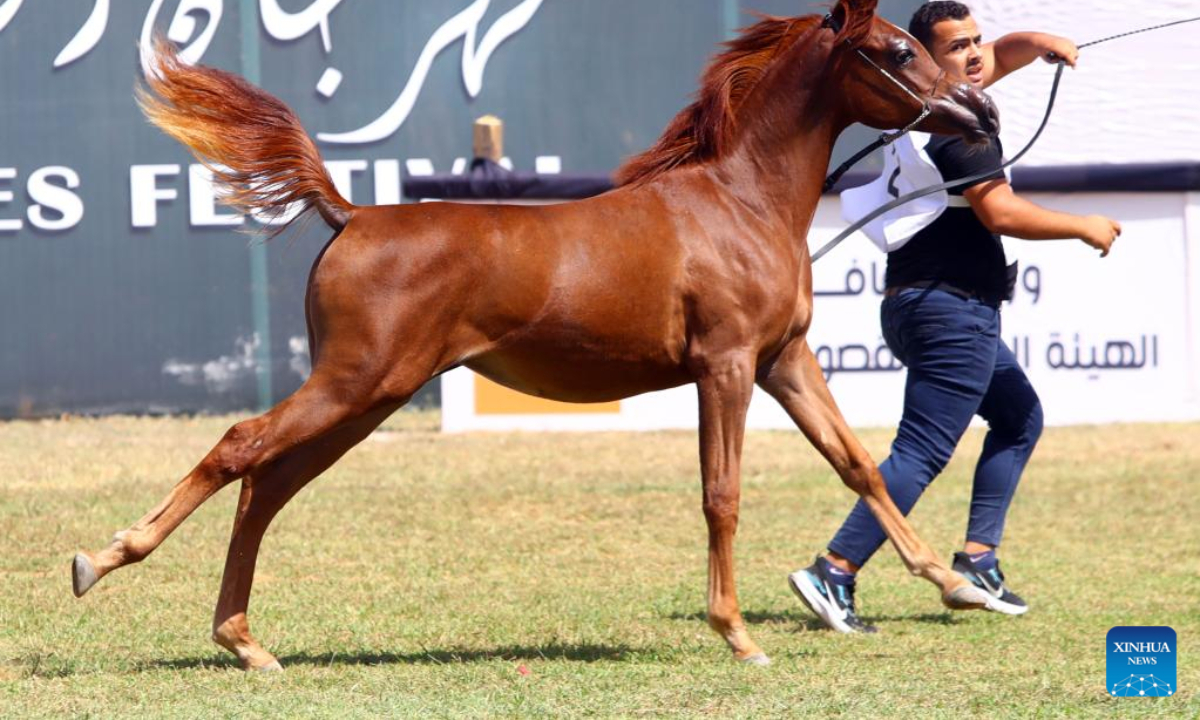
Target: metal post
[259,280]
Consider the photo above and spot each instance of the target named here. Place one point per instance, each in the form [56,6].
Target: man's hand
[1053,48]
[1100,232]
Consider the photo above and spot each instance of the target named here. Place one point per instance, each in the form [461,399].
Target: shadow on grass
[585,653]
[751,617]
[942,618]
[808,622]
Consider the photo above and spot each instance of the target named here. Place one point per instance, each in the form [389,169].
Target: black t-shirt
[956,249]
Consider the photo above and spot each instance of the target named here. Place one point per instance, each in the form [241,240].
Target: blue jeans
[957,367]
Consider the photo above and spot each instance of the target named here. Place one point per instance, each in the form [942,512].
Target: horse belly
[579,372]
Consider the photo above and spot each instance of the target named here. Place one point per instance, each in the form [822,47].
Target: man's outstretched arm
[1016,50]
[1005,213]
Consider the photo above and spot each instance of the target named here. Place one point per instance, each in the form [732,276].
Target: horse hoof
[83,574]
[271,667]
[759,659]
[965,597]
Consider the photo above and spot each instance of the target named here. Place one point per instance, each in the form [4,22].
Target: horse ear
[855,18]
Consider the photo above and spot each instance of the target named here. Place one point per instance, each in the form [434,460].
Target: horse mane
[704,130]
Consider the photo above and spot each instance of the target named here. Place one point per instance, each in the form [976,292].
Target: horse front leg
[725,387]
[796,381]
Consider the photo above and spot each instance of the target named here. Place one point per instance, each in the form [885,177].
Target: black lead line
[916,195]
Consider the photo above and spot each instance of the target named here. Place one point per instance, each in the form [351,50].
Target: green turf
[524,575]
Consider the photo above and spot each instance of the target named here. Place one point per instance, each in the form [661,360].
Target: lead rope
[1137,32]
[862,222]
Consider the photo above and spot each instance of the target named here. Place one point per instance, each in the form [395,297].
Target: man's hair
[932,13]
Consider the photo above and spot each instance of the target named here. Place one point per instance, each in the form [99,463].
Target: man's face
[955,47]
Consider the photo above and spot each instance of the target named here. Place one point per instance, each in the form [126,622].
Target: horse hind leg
[796,381]
[263,495]
[318,406]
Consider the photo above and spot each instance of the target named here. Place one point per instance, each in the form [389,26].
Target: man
[941,318]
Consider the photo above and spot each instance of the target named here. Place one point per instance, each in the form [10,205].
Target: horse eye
[904,57]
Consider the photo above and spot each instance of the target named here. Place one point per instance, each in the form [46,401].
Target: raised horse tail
[251,140]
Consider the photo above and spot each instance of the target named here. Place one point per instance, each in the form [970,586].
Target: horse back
[581,301]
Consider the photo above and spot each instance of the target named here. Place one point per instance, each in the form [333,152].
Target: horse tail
[252,142]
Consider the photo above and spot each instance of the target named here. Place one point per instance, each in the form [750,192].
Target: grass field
[534,575]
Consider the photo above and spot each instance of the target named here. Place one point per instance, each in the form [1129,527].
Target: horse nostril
[992,116]
[985,109]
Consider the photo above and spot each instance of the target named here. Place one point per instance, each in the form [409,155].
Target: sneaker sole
[817,603]
[995,604]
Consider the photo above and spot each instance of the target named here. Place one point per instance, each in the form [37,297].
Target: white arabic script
[182,30]
[474,61]
[283,25]
[194,39]
[87,37]
[83,42]
[8,10]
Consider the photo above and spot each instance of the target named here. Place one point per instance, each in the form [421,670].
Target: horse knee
[862,478]
[238,452]
[721,512]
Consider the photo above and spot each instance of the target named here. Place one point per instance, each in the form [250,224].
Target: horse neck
[785,139]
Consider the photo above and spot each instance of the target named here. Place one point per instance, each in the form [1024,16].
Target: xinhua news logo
[1142,662]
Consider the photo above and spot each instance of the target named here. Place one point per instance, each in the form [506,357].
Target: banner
[1102,340]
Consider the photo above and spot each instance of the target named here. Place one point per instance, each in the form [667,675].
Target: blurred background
[124,287]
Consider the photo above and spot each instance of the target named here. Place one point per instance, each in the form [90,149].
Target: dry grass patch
[422,573]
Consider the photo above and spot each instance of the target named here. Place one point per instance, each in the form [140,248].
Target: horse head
[889,80]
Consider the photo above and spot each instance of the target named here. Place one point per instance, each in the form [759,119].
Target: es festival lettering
[53,203]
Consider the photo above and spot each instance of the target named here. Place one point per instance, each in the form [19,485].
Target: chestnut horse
[695,270]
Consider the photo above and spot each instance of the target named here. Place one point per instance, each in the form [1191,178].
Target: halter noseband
[831,22]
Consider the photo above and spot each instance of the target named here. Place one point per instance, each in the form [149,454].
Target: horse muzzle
[979,104]
[972,111]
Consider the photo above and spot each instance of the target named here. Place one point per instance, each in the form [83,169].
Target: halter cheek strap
[886,138]
[831,22]
[862,222]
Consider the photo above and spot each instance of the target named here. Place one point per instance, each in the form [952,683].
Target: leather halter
[886,138]
[832,22]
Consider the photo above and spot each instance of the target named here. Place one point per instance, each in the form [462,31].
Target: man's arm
[1005,213]
[1016,50]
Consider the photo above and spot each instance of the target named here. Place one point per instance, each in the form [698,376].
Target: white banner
[1103,340]
[1129,100]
